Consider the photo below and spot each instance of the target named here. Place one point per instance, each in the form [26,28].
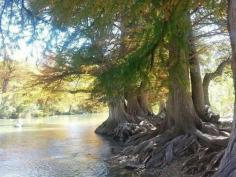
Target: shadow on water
[56,147]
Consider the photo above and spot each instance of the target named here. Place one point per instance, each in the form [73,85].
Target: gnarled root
[140,137]
[107,128]
[126,130]
[212,141]
[158,151]
[210,116]
[203,149]
[177,147]
[204,162]
[135,156]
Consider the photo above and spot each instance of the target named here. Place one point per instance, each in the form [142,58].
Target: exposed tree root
[225,126]
[210,128]
[132,128]
[210,116]
[108,127]
[177,147]
[150,146]
[215,142]
[158,151]
[204,162]
[143,136]
[229,170]
[147,150]
[126,130]
[117,116]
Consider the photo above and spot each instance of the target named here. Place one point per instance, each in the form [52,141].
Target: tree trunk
[133,106]
[117,115]
[138,102]
[205,84]
[143,99]
[162,106]
[227,166]
[196,80]
[180,109]
[144,103]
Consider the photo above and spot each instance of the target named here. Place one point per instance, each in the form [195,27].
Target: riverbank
[185,156]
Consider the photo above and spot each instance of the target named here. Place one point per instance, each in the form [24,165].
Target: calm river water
[56,147]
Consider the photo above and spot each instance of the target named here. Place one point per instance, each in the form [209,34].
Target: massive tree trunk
[181,112]
[180,109]
[227,166]
[196,80]
[117,115]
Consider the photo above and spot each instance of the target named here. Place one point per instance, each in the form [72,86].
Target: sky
[30,54]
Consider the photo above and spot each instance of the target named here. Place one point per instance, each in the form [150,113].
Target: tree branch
[219,70]
[73,91]
[210,76]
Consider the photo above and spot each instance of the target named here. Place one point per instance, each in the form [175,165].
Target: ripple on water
[47,149]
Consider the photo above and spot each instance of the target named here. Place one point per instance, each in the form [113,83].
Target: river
[62,146]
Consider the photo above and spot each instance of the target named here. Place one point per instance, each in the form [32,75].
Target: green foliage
[23,100]
[134,68]
[121,44]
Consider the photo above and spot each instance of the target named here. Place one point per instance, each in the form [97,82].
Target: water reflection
[55,147]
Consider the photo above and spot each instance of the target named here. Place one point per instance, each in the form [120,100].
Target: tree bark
[133,106]
[117,115]
[227,166]
[143,99]
[180,109]
[138,102]
[196,80]
[205,84]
